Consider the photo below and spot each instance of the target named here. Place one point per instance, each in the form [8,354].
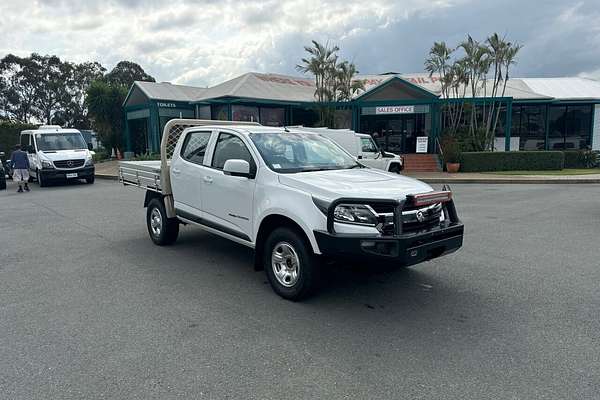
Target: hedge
[482,161]
[9,134]
[575,159]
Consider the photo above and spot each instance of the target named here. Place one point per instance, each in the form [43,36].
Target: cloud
[204,42]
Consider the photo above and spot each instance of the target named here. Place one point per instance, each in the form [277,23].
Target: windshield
[60,141]
[300,152]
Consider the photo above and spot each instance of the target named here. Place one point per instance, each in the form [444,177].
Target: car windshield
[301,152]
[60,141]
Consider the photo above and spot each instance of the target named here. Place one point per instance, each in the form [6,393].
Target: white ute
[362,147]
[293,196]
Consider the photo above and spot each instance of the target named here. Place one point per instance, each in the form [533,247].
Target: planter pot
[452,168]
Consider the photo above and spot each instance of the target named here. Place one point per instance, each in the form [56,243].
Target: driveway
[90,308]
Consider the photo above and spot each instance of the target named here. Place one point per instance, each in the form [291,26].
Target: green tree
[105,107]
[74,111]
[334,79]
[127,72]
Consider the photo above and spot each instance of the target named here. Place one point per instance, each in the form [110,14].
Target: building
[537,113]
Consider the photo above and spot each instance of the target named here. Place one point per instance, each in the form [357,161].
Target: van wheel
[291,266]
[163,231]
[90,179]
[395,168]
[41,180]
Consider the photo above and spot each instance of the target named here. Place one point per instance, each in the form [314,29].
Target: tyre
[90,179]
[41,179]
[163,231]
[291,267]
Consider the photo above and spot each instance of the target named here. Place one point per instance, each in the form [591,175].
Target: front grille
[69,163]
[429,217]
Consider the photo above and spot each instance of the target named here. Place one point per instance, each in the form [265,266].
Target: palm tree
[347,86]
[319,63]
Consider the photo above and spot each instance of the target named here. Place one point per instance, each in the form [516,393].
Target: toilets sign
[394,110]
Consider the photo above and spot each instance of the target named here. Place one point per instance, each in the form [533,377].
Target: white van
[362,147]
[56,153]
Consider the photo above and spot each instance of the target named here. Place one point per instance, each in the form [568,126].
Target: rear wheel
[290,265]
[163,231]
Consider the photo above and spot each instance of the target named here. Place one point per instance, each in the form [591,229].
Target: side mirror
[2,154]
[90,147]
[237,168]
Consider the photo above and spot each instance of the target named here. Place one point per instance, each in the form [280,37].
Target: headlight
[47,164]
[89,162]
[360,214]
[355,214]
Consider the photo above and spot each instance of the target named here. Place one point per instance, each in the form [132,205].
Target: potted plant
[451,154]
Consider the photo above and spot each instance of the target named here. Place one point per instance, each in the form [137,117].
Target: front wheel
[163,231]
[41,179]
[90,179]
[290,265]
[395,168]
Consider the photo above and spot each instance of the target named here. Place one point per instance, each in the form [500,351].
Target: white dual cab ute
[56,153]
[294,196]
[362,147]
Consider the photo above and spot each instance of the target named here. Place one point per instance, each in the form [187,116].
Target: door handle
[176,171]
[208,179]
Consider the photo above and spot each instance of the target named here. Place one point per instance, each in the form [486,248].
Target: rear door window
[194,147]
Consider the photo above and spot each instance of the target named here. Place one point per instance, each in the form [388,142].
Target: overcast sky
[205,42]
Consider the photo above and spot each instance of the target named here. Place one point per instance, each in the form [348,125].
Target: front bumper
[405,247]
[82,173]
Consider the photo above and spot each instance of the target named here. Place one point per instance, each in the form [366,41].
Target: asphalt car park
[90,308]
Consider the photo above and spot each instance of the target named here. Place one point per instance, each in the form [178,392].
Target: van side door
[227,201]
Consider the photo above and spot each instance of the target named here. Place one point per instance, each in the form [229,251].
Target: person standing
[20,164]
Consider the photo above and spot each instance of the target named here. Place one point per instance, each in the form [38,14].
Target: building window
[532,127]
[244,113]
[219,112]
[570,127]
[272,116]
[579,127]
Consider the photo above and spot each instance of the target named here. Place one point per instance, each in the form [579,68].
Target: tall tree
[74,111]
[105,104]
[334,79]
[19,77]
[50,85]
[125,73]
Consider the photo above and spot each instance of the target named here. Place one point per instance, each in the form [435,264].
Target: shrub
[581,159]
[147,157]
[450,149]
[101,155]
[512,161]
[10,134]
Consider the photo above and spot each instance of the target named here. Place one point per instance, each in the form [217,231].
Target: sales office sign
[394,110]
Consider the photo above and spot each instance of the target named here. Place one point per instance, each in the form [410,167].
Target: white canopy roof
[565,88]
[278,87]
